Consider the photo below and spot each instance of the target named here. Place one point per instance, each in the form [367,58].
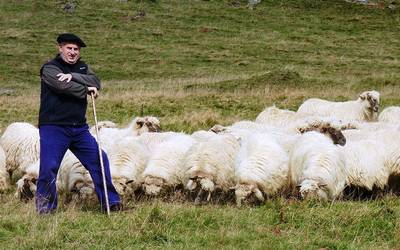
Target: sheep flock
[322,151]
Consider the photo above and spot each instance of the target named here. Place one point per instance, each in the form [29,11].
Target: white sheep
[74,181]
[365,108]
[390,115]
[165,168]
[139,125]
[276,117]
[4,176]
[128,160]
[261,167]
[317,166]
[211,165]
[20,142]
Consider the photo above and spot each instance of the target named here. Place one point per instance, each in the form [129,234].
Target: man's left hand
[62,77]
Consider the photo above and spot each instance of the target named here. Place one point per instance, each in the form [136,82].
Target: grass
[195,64]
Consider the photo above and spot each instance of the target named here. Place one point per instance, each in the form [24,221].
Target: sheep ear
[140,123]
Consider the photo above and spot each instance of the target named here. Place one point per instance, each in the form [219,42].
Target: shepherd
[65,83]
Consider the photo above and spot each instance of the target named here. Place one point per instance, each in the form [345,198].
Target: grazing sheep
[210,165]
[165,168]
[261,167]
[4,182]
[26,185]
[317,166]
[20,142]
[74,181]
[365,108]
[127,162]
[390,115]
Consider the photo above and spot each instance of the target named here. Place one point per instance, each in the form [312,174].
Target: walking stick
[100,156]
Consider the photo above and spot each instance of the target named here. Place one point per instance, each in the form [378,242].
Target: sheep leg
[198,198]
[209,196]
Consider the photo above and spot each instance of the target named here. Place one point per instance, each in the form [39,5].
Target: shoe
[113,208]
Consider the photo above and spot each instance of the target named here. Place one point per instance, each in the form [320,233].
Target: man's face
[70,52]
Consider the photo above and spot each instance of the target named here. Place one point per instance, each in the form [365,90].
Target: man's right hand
[94,91]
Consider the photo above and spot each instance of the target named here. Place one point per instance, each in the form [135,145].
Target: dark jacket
[63,103]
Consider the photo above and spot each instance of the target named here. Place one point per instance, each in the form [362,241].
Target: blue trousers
[55,140]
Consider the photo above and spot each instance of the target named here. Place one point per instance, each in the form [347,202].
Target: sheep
[102,124]
[365,163]
[390,115]
[276,117]
[372,160]
[165,167]
[365,108]
[317,166]
[210,165]
[261,167]
[139,125]
[4,182]
[202,135]
[26,185]
[74,181]
[20,142]
[127,162]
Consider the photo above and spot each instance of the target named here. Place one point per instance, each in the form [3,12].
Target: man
[65,83]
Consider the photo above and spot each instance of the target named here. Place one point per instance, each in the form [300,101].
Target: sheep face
[147,124]
[218,129]
[245,191]
[371,99]
[124,187]
[336,135]
[3,184]
[83,192]
[26,188]
[153,185]
[203,184]
[310,189]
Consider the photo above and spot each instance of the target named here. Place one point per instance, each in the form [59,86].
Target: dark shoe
[113,208]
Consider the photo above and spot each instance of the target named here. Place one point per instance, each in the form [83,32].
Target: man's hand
[94,91]
[62,77]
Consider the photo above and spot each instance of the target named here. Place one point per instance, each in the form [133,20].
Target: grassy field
[194,64]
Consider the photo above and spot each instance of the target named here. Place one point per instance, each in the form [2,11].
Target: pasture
[194,64]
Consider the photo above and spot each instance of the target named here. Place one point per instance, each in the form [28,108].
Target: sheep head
[244,191]
[311,189]
[371,100]
[147,124]
[153,185]
[326,128]
[124,186]
[26,188]
[83,191]
[3,184]
[217,128]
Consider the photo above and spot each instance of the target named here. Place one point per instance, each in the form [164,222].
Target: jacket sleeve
[90,79]
[71,88]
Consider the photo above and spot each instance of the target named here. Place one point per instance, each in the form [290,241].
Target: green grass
[194,64]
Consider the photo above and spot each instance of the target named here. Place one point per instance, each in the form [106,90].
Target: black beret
[69,37]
